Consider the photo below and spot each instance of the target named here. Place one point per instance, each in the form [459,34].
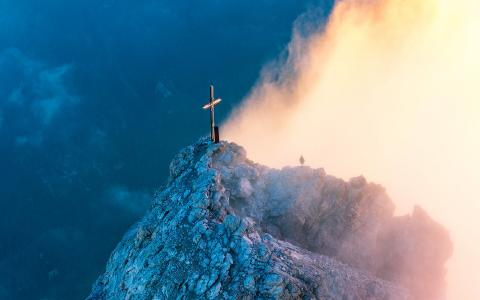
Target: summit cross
[214,133]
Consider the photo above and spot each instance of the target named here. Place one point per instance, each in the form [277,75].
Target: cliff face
[225,227]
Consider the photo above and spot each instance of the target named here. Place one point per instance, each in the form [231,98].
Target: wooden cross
[214,134]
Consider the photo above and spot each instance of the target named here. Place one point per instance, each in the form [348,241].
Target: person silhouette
[302,160]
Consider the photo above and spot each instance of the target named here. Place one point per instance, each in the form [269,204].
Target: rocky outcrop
[225,227]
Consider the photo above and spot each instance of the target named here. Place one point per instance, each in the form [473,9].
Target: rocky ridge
[225,227]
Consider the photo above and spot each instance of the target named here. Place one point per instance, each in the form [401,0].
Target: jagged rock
[225,227]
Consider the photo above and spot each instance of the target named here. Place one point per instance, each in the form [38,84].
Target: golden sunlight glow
[391,90]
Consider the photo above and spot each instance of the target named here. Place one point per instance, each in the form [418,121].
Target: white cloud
[37,91]
[133,201]
[51,92]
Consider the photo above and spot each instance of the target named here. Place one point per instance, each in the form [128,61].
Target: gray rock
[227,228]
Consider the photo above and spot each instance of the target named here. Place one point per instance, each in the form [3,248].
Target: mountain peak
[226,227]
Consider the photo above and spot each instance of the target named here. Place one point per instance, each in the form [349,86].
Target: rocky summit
[224,227]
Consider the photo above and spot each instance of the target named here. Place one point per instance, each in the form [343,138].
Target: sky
[96,97]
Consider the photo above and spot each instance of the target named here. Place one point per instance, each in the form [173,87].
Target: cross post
[214,133]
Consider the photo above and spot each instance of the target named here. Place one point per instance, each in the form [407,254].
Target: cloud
[163,90]
[135,202]
[35,94]
[51,92]
[388,89]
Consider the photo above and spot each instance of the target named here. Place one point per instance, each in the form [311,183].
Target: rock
[227,228]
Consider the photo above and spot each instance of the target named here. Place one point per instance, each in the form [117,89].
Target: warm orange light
[390,89]
[208,105]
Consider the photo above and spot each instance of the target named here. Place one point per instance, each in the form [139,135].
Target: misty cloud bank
[388,89]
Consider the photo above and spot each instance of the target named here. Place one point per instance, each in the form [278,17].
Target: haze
[387,89]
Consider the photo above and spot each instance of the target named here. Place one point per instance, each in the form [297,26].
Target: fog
[388,89]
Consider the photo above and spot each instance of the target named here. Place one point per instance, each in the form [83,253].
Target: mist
[388,90]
